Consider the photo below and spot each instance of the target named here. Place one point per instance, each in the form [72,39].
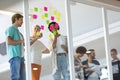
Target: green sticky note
[46,15]
[54,32]
[36,9]
[47,21]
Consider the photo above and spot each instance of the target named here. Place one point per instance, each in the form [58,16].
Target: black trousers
[116,76]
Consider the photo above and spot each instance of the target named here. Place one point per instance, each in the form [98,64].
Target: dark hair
[81,50]
[91,50]
[114,50]
[51,24]
[16,16]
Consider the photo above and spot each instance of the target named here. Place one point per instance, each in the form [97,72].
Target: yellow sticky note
[55,12]
[58,15]
[38,33]
[58,19]
[50,36]
[43,17]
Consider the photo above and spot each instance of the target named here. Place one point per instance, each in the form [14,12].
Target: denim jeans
[17,68]
[62,68]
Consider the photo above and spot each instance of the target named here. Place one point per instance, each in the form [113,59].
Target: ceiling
[111,2]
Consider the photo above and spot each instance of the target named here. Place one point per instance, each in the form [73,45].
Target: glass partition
[87,31]
[114,32]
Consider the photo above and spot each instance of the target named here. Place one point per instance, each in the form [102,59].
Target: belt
[60,54]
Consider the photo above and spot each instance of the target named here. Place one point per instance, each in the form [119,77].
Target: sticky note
[51,28]
[46,15]
[47,21]
[50,36]
[43,17]
[58,15]
[42,27]
[56,25]
[34,16]
[54,32]
[58,19]
[55,12]
[37,33]
[52,18]
[36,9]
[45,9]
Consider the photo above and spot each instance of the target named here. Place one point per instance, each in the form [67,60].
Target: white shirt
[60,41]
[22,45]
[96,69]
[36,52]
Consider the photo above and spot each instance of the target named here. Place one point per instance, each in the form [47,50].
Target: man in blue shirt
[14,44]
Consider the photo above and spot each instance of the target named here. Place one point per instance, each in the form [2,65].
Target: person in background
[80,51]
[92,51]
[60,51]
[36,49]
[14,45]
[92,71]
[115,64]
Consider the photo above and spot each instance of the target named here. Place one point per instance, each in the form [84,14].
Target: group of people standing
[88,69]
[15,50]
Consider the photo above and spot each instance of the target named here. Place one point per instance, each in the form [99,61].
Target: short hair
[16,16]
[114,50]
[51,24]
[81,50]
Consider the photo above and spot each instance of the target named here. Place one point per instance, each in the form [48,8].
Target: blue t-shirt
[13,50]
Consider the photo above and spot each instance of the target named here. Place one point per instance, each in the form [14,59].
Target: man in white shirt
[92,71]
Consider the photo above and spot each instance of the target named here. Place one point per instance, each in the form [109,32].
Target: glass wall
[88,31]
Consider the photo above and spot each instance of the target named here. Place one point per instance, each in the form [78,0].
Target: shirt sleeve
[9,32]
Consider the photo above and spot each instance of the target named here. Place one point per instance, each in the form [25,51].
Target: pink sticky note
[52,18]
[51,28]
[45,9]
[56,25]
[42,27]
[34,16]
